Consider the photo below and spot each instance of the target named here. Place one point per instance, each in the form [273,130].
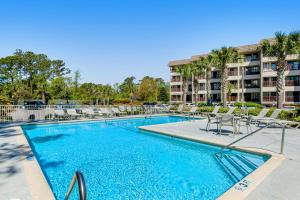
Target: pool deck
[22,178]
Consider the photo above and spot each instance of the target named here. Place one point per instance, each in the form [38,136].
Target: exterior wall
[259,86]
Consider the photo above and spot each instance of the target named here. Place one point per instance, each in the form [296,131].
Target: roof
[179,62]
[241,49]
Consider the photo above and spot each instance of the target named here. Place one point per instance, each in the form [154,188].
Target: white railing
[26,113]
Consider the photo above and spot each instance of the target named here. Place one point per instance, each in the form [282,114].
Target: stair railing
[268,125]
[81,186]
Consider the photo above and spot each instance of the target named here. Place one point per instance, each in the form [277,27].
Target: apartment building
[259,80]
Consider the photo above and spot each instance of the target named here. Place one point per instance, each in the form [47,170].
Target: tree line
[31,76]
[281,46]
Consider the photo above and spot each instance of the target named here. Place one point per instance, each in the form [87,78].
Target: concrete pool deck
[21,177]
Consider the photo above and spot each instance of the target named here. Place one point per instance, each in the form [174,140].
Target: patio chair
[211,117]
[231,110]
[179,109]
[122,108]
[226,120]
[106,112]
[72,113]
[260,115]
[246,122]
[117,112]
[89,112]
[193,111]
[60,114]
[272,118]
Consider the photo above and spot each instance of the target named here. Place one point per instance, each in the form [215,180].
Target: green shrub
[206,109]
[287,115]
[121,101]
[223,110]
[4,100]
[237,111]
[297,119]
[254,111]
[269,113]
[248,104]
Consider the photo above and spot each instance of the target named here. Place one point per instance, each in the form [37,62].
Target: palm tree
[185,73]
[280,48]
[203,66]
[220,59]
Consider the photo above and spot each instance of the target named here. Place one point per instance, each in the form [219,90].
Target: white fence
[24,113]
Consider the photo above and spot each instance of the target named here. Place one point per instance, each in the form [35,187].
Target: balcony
[292,99]
[232,98]
[270,98]
[269,83]
[175,89]
[233,73]
[200,99]
[201,88]
[249,85]
[292,83]
[252,72]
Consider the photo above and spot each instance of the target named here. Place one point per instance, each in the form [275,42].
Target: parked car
[33,105]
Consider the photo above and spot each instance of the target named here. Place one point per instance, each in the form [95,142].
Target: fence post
[282,139]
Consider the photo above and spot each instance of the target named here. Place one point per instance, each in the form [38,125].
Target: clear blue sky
[108,40]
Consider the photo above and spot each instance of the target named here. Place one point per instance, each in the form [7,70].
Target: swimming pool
[120,162]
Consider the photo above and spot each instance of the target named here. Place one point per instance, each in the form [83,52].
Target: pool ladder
[81,186]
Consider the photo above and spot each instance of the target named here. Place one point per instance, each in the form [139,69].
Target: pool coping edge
[244,187]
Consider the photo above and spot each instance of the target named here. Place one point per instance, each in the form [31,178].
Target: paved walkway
[12,176]
[282,183]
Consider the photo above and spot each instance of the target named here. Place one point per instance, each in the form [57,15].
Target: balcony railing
[175,80]
[175,90]
[249,86]
[233,73]
[269,83]
[292,83]
[200,99]
[270,98]
[292,67]
[232,98]
[251,72]
[292,99]
[175,99]
[202,88]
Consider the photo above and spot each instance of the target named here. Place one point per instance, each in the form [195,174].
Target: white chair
[60,114]
[72,113]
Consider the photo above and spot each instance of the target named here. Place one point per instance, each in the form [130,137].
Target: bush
[297,119]
[223,110]
[254,111]
[248,104]
[287,115]
[121,101]
[269,113]
[206,109]
[4,100]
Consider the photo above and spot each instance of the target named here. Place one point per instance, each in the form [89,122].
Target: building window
[293,65]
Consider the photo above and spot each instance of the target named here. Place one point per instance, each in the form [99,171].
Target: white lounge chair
[60,114]
[72,113]
[116,111]
[193,111]
[272,118]
[231,110]
[260,115]
[106,112]
[89,112]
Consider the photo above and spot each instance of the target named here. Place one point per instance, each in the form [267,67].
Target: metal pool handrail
[81,186]
[268,125]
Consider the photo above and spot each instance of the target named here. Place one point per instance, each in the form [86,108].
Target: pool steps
[236,166]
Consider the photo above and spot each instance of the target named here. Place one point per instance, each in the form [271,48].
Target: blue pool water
[120,162]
